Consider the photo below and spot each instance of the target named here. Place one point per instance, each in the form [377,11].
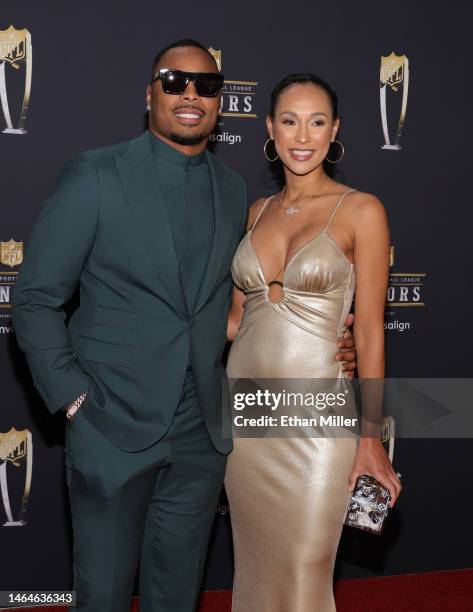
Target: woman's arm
[236,313]
[238,297]
[371,257]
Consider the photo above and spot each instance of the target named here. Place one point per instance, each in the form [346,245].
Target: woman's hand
[372,458]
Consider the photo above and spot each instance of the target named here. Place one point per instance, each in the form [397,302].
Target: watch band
[75,405]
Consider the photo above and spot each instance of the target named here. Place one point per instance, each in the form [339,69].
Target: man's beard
[189,139]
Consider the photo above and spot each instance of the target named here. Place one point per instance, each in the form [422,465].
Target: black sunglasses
[207,84]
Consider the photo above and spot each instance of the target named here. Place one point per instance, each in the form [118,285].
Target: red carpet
[448,591]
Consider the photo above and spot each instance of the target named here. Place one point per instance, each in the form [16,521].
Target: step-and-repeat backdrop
[73,77]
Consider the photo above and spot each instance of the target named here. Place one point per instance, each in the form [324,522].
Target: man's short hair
[185,42]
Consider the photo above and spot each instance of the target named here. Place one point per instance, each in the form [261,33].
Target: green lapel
[137,169]
[222,195]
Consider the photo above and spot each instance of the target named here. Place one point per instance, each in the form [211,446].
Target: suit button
[191,321]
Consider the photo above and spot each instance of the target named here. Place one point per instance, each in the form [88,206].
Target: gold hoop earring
[266,154]
[341,157]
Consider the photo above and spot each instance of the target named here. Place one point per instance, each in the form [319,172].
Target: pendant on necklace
[292,210]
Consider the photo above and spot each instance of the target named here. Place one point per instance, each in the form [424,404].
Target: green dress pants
[153,509]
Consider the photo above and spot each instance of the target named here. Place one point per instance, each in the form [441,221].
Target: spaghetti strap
[336,208]
[261,212]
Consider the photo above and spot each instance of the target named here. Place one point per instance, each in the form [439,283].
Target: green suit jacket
[105,227]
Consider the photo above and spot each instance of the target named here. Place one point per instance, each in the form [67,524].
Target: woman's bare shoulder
[366,212]
[255,210]
[366,205]
[361,202]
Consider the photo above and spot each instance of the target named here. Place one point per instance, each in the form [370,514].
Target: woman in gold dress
[306,250]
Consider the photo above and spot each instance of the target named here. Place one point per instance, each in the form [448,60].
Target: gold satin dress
[288,496]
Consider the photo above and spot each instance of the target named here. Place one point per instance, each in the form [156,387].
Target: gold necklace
[292,210]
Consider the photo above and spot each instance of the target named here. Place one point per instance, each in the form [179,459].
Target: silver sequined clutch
[368,507]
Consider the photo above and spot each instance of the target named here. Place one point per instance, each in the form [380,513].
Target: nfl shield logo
[217,54]
[11,253]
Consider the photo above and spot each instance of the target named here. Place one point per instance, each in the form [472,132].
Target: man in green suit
[147,229]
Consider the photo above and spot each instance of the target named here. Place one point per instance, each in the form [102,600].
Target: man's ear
[148,95]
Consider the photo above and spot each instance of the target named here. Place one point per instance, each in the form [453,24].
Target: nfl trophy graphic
[15,47]
[16,447]
[394,72]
